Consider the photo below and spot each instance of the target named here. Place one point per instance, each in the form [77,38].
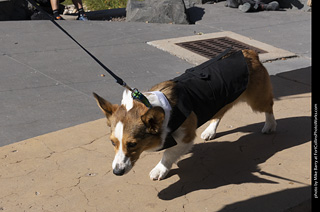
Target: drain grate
[210,48]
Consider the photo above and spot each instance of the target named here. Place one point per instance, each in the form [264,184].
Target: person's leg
[79,6]
[54,4]
[55,9]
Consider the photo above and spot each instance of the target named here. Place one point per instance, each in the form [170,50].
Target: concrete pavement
[44,74]
[55,154]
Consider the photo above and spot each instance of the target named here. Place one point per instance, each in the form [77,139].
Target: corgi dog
[181,105]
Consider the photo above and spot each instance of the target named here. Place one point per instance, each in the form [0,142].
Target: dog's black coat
[207,88]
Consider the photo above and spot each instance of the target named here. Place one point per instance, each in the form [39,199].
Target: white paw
[208,135]
[270,125]
[269,128]
[159,172]
[210,132]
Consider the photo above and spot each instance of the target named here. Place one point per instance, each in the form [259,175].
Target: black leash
[135,92]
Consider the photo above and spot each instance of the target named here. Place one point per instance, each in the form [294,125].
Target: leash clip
[136,94]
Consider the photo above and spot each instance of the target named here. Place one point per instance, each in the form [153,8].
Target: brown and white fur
[135,128]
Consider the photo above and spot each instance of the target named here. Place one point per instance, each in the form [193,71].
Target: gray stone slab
[30,112]
[16,76]
[280,66]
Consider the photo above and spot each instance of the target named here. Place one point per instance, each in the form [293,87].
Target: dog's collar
[157,98]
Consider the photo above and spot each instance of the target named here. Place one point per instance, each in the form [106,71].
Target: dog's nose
[118,171]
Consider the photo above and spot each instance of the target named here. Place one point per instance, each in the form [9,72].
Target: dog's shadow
[216,164]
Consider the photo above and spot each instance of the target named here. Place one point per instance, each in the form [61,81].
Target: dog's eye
[131,145]
[113,143]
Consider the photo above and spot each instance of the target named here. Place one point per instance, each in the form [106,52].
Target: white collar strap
[157,98]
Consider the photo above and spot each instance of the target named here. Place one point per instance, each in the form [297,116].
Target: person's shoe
[82,18]
[245,7]
[58,18]
[272,6]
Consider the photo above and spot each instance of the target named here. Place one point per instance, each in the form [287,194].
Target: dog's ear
[153,119]
[107,108]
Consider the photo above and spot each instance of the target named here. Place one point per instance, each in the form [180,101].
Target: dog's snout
[118,171]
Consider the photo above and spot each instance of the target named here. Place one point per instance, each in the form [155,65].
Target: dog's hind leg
[265,106]
[270,124]
[263,102]
[259,93]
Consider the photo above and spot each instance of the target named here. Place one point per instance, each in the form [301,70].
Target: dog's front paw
[208,136]
[210,132]
[159,172]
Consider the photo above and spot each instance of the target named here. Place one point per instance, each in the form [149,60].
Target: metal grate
[210,48]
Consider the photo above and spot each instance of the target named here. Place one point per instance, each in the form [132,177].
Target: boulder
[157,11]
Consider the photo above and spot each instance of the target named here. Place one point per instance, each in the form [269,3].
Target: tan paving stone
[242,169]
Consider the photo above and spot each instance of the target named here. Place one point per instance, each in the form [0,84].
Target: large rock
[157,11]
